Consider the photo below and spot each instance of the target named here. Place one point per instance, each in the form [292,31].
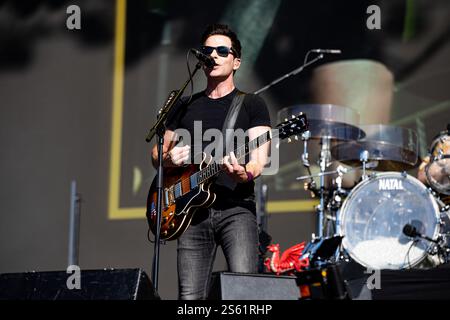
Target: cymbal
[334,130]
[327,120]
[395,148]
[390,157]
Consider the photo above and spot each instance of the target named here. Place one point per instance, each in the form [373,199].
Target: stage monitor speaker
[414,284]
[357,289]
[107,284]
[407,284]
[244,286]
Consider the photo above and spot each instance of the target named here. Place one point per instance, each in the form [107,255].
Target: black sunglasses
[222,51]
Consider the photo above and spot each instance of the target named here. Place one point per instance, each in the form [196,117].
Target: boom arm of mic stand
[159,129]
[292,73]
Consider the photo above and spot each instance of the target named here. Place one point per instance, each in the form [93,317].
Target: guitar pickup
[171,195]
[166,198]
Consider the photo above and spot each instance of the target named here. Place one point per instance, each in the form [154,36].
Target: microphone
[411,231]
[332,51]
[207,60]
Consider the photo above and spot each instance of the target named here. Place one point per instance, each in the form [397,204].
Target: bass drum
[374,214]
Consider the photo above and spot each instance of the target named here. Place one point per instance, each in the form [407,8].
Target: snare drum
[374,214]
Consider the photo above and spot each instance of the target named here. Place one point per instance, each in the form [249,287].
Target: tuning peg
[289,140]
[296,137]
[285,119]
[292,116]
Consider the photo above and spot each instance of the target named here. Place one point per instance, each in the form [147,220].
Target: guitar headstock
[293,126]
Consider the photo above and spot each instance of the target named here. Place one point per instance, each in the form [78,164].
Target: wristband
[249,176]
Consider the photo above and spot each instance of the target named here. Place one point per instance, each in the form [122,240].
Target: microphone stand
[287,75]
[440,248]
[159,129]
[305,137]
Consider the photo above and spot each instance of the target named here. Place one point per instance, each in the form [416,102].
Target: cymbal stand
[340,171]
[305,160]
[324,162]
[364,157]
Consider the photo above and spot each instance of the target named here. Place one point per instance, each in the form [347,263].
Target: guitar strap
[229,123]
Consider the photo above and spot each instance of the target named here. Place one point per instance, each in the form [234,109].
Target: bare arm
[258,158]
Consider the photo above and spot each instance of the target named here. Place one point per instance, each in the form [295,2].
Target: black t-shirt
[212,114]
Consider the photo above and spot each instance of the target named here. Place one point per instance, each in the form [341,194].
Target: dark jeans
[234,229]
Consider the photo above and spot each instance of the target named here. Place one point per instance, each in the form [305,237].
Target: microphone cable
[190,76]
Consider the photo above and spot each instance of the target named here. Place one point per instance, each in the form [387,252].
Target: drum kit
[388,219]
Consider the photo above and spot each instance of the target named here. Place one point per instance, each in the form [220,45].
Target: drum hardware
[440,199]
[305,156]
[340,170]
[311,185]
[338,180]
[324,163]
[330,199]
[444,207]
[327,123]
[337,196]
[321,192]
[363,158]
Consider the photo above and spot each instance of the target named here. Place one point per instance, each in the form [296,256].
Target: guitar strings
[272,136]
[237,150]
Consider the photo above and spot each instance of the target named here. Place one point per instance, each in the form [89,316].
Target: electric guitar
[188,188]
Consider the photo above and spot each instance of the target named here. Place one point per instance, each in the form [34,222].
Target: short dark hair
[224,30]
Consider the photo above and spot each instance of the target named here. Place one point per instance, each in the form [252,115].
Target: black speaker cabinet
[107,284]
[408,284]
[414,284]
[244,286]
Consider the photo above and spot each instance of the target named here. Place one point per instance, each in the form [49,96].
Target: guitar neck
[215,167]
[285,129]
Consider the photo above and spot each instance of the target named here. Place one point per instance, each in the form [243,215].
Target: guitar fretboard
[214,168]
[286,129]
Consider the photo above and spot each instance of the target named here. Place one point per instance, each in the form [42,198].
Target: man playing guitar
[230,221]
